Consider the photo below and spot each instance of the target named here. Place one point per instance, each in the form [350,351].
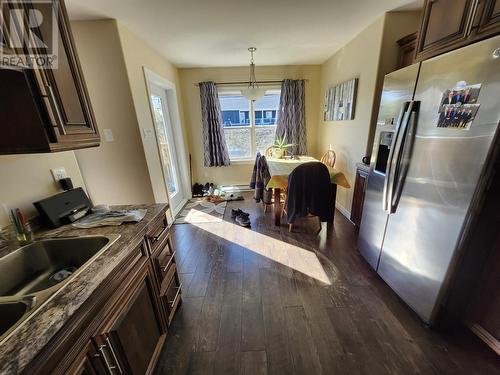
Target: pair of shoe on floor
[242,218]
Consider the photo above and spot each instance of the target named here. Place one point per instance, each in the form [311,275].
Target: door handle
[469,24]
[400,166]
[165,268]
[108,363]
[55,108]
[388,173]
[114,355]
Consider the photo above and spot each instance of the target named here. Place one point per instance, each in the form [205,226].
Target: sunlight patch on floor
[292,256]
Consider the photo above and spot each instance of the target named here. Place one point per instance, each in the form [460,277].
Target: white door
[166,147]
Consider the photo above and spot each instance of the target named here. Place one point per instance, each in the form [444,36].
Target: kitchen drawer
[164,264]
[157,234]
[172,294]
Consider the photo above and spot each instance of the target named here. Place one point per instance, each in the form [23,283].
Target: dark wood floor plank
[188,314]
[175,356]
[278,355]
[230,322]
[202,363]
[209,323]
[302,349]
[330,350]
[252,327]
[197,286]
[254,363]
[288,288]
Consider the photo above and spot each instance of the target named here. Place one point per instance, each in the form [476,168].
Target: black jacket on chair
[309,192]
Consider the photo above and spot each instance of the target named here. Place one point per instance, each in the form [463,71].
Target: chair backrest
[270,152]
[309,190]
[329,158]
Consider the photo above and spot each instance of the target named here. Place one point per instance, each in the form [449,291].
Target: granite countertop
[35,332]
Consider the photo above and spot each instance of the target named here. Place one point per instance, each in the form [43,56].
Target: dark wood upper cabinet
[490,18]
[407,47]
[59,115]
[450,24]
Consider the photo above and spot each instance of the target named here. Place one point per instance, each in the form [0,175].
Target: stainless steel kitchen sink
[33,274]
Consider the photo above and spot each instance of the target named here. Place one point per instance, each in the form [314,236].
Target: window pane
[235,110]
[239,142]
[264,137]
[266,108]
[162,140]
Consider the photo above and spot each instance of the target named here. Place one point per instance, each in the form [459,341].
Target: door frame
[152,78]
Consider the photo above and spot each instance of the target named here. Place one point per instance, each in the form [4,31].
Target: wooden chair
[269,153]
[302,184]
[329,158]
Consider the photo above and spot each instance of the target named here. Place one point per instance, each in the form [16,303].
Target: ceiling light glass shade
[253,93]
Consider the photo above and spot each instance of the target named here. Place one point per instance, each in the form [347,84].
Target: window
[249,127]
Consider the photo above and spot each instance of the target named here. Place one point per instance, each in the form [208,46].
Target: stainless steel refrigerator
[436,126]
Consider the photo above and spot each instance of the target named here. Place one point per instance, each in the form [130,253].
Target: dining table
[280,169]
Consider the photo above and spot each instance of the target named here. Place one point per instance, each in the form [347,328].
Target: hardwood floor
[266,301]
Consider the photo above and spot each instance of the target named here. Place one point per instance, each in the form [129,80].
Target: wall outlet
[58,174]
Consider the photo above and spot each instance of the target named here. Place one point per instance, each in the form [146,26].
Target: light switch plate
[147,133]
[58,173]
[108,135]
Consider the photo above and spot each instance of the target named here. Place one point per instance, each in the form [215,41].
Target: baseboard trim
[233,188]
[343,211]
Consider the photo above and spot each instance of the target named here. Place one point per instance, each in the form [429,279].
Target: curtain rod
[247,82]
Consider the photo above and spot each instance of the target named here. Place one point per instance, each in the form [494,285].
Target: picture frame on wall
[340,101]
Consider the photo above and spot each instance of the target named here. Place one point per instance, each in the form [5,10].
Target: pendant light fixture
[253,92]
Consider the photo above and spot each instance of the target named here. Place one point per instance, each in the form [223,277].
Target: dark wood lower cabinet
[88,362]
[122,327]
[358,198]
[133,334]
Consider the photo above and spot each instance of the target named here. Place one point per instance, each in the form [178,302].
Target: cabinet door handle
[114,355]
[172,303]
[108,364]
[55,108]
[157,237]
[472,15]
[165,268]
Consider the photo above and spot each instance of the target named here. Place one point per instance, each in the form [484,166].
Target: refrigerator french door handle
[409,135]
[388,173]
[396,157]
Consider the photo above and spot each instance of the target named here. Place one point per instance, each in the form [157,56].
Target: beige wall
[26,179]
[137,56]
[368,56]
[241,173]
[116,172]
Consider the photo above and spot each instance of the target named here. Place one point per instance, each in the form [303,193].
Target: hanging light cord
[252,80]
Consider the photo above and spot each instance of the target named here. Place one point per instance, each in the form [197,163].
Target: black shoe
[243,219]
[235,213]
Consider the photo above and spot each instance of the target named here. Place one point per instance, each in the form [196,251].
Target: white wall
[138,55]
[368,56]
[116,172]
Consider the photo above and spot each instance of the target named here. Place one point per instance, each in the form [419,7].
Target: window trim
[252,127]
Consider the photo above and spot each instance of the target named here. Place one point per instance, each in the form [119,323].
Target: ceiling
[206,33]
